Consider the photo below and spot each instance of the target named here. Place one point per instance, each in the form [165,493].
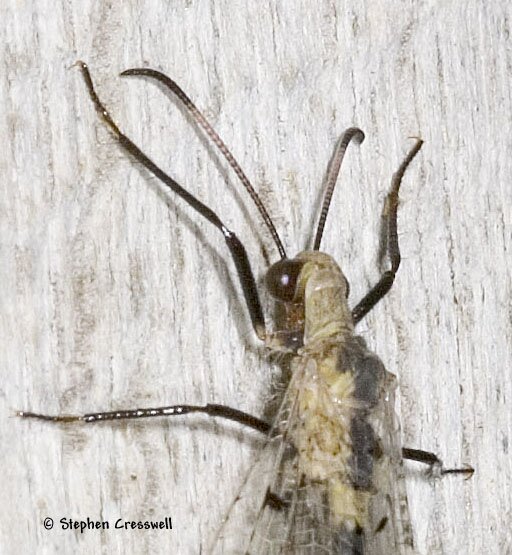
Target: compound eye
[282,278]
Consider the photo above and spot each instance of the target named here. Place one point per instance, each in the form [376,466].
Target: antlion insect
[332,458]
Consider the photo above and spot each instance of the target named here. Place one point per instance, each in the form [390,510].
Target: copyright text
[119,524]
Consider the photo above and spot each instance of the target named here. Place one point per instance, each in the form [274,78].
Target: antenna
[334,169]
[219,143]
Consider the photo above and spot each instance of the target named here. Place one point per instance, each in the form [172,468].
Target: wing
[248,510]
[330,475]
[389,526]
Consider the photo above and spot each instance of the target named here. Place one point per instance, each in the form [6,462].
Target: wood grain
[117,295]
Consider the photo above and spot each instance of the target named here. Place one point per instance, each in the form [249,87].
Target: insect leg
[391,236]
[235,246]
[220,411]
[433,460]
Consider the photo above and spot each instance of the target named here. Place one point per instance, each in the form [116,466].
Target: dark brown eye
[282,279]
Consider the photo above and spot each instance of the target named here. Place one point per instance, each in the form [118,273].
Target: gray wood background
[116,295]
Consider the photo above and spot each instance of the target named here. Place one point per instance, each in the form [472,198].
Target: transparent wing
[389,526]
[329,478]
[255,494]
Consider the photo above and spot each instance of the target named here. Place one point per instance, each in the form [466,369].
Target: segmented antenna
[351,133]
[219,143]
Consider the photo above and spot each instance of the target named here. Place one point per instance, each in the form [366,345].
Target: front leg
[379,290]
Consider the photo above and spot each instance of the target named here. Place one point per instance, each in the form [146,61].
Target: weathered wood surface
[117,295]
